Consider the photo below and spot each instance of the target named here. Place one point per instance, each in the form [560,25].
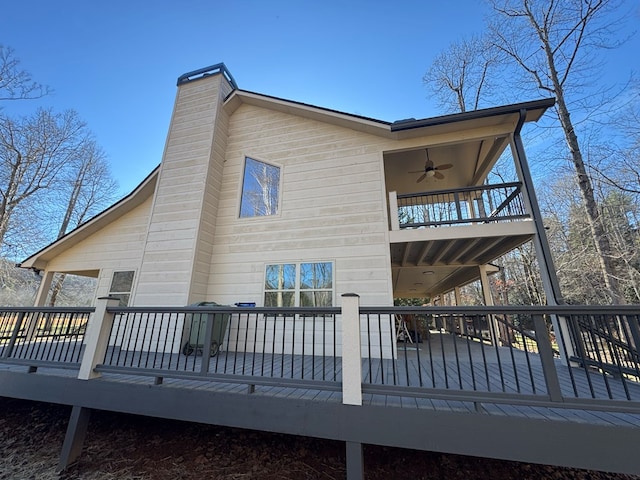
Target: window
[121,286]
[260,189]
[299,285]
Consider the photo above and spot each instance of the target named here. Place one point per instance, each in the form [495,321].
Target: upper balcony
[452,232]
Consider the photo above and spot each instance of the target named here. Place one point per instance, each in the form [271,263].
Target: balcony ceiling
[430,267]
[470,160]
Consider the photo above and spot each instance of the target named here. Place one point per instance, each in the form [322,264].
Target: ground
[126,447]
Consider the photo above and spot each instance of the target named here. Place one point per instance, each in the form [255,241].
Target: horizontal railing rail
[482,204]
[521,355]
[256,346]
[43,336]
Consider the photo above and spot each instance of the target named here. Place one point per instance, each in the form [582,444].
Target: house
[279,203]
[282,204]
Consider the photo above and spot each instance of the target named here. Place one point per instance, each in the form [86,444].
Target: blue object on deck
[245,304]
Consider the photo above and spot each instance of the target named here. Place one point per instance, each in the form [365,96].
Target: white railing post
[351,356]
[393,211]
[96,338]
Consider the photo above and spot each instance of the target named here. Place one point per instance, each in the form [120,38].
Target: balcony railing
[462,206]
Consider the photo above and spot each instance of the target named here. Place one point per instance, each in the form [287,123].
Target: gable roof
[139,194]
[394,130]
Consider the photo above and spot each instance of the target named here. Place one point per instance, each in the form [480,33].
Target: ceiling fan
[431,170]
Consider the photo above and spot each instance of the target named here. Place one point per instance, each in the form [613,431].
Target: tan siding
[172,244]
[116,247]
[332,207]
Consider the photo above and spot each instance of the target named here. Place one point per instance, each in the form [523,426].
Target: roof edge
[308,105]
[96,218]
[474,114]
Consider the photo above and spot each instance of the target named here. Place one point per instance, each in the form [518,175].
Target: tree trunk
[601,240]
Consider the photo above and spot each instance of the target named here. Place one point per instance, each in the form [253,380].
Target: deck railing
[294,347]
[43,336]
[565,356]
[462,206]
[561,356]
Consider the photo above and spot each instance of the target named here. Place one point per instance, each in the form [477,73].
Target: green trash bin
[198,328]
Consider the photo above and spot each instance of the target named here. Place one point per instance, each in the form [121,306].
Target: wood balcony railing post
[97,337]
[351,350]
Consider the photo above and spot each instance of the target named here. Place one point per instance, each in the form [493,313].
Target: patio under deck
[450,393]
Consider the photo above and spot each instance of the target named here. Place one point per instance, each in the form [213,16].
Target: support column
[97,337]
[43,288]
[74,438]
[548,275]
[488,301]
[355,461]
[351,350]
[41,298]
[393,211]
[543,252]
[461,321]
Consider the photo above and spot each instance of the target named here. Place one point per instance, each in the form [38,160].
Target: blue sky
[116,62]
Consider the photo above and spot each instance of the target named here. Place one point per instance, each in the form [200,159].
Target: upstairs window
[299,285]
[260,189]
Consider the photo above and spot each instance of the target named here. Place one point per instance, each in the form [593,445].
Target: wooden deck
[434,396]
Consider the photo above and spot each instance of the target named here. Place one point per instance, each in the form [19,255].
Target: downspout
[552,290]
[550,282]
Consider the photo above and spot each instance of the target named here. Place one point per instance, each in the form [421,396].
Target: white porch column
[43,289]
[393,211]
[97,337]
[351,355]
[41,298]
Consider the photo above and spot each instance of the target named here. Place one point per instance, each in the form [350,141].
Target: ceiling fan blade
[446,166]
[438,175]
[421,177]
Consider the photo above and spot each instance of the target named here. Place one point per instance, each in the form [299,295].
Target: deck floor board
[442,361]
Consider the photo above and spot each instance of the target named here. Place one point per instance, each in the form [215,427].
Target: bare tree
[15,83]
[552,42]
[86,187]
[460,77]
[33,153]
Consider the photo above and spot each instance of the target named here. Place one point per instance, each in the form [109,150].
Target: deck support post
[488,301]
[355,461]
[43,288]
[351,350]
[74,438]
[97,337]
[548,275]
[31,326]
[461,321]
